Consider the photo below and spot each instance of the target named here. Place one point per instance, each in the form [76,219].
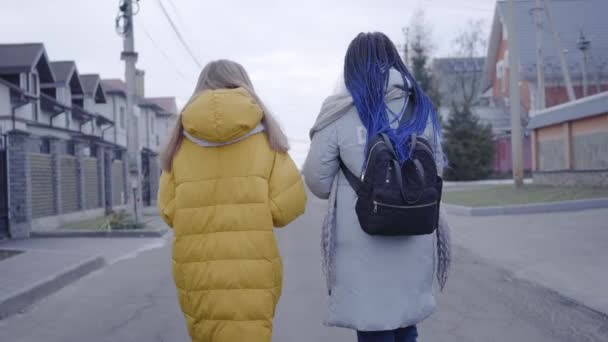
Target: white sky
[293,50]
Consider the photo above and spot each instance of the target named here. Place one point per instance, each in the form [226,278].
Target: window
[52,92]
[45,146]
[122,117]
[152,123]
[71,148]
[34,89]
[35,105]
[117,155]
[15,79]
[500,74]
[78,102]
[93,150]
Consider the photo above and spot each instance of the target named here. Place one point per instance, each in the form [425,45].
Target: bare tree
[470,45]
[418,55]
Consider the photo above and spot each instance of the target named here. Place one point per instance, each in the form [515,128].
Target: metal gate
[4,231]
[145,179]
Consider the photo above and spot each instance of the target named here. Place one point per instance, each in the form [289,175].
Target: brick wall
[91,184]
[48,180]
[551,155]
[19,184]
[590,151]
[43,197]
[69,184]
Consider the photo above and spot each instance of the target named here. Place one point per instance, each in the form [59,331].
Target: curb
[78,233]
[21,299]
[534,208]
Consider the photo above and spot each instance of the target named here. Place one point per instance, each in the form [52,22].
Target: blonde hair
[224,74]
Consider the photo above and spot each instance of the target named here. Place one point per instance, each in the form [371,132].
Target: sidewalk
[565,252]
[469,185]
[48,264]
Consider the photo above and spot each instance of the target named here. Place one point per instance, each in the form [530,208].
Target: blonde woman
[227,181]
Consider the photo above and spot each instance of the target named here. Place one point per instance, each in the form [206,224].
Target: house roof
[167,105]
[93,87]
[450,65]
[114,86]
[66,74]
[63,70]
[569,18]
[575,110]
[16,58]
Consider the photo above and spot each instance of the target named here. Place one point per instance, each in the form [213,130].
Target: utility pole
[124,23]
[514,97]
[584,44]
[540,65]
[560,52]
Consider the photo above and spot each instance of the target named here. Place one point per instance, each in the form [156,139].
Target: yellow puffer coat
[223,203]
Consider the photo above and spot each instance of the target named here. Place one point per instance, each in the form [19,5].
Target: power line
[163,53]
[179,17]
[178,33]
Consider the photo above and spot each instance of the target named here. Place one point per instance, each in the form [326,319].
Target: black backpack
[397,200]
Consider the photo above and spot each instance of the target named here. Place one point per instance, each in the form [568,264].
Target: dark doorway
[145,179]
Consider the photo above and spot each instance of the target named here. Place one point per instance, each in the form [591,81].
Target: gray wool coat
[379,283]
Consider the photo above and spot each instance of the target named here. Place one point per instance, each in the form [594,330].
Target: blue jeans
[408,334]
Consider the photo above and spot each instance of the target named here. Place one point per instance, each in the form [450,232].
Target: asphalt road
[133,300]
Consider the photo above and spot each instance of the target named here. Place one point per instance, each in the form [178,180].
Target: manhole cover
[7,253]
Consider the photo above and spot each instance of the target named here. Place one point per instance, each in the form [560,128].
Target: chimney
[139,83]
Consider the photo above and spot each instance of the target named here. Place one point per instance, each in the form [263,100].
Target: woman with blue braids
[380,286]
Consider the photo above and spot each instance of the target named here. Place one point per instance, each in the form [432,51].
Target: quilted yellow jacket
[223,203]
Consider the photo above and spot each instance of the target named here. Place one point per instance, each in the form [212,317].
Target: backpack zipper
[382,142]
[369,155]
[376,204]
[426,148]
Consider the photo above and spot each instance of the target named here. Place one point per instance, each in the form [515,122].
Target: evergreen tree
[420,68]
[468,145]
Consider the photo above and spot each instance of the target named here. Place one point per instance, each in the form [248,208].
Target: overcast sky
[293,50]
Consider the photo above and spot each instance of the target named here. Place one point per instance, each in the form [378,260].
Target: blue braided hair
[367,65]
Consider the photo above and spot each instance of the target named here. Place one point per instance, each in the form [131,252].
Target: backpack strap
[396,165]
[361,188]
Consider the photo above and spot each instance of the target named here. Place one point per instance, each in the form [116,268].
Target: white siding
[25,111]
[142,127]
[5,108]
[45,118]
[164,127]
[5,101]
[111,109]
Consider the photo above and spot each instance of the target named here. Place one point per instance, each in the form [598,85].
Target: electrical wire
[179,17]
[163,52]
[178,33]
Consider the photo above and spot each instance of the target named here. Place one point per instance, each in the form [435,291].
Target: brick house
[62,142]
[570,19]
[457,75]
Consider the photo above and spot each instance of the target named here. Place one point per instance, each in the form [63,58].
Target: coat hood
[221,115]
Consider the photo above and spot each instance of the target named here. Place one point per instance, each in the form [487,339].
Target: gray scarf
[332,109]
[204,143]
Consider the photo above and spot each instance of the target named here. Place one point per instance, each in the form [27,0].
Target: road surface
[134,300]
